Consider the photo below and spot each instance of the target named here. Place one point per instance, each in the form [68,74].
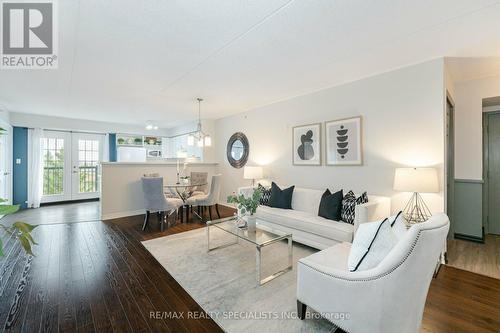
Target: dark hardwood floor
[97,276]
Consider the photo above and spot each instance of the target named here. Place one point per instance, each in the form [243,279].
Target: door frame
[75,136]
[9,162]
[69,194]
[450,162]
[486,181]
[66,195]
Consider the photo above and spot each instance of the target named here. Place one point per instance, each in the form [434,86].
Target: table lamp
[253,173]
[416,180]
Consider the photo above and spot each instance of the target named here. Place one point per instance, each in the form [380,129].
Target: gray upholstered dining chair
[208,200]
[199,178]
[155,200]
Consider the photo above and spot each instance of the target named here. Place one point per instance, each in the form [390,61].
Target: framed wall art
[306,144]
[343,142]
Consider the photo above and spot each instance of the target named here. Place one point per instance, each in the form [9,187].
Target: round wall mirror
[237,150]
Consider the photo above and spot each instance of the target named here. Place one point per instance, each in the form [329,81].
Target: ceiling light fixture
[150,126]
[202,139]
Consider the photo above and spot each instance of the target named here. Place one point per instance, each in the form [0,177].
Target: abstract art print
[343,142]
[306,145]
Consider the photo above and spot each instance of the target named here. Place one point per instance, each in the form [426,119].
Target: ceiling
[136,61]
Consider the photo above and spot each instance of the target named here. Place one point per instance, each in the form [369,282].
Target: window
[53,166]
[88,162]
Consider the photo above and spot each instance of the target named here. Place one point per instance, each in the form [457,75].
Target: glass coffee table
[258,237]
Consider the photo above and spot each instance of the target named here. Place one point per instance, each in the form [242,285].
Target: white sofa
[389,298]
[306,227]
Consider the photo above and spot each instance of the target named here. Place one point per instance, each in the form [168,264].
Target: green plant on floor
[246,205]
[20,230]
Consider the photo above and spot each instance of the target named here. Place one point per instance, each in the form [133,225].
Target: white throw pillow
[398,224]
[372,242]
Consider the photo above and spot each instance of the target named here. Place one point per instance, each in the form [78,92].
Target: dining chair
[199,178]
[208,200]
[156,201]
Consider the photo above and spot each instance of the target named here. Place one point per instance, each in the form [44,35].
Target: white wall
[5,116]
[403,125]
[469,127]
[60,123]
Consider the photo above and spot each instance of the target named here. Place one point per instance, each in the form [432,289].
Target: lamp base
[416,211]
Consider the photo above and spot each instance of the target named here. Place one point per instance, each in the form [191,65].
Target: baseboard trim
[469,238]
[63,202]
[117,215]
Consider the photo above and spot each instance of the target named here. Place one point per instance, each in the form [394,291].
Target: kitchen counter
[121,188]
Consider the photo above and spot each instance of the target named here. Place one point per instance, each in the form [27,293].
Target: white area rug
[223,281]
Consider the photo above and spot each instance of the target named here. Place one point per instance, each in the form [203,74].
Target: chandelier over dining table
[199,137]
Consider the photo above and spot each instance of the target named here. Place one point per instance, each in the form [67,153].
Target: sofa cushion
[306,200]
[348,207]
[307,222]
[333,257]
[330,205]
[266,195]
[398,224]
[281,198]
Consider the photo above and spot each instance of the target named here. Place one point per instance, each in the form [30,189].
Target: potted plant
[247,206]
[138,141]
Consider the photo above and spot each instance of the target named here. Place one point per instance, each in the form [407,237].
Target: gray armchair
[155,200]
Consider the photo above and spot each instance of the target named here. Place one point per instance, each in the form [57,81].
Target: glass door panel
[87,153]
[55,163]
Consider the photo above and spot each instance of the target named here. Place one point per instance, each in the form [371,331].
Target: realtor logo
[29,35]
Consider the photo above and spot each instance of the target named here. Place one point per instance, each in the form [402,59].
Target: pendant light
[201,139]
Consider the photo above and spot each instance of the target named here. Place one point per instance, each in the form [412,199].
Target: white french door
[71,165]
[86,153]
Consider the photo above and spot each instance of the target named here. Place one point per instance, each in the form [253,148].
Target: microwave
[154,153]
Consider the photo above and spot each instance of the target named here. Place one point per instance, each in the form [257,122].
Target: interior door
[494,173]
[85,174]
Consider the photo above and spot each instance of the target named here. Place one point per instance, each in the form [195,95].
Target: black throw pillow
[330,206]
[281,198]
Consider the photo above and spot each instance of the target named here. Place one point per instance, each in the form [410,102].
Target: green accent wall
[112,147]
[20,171]
[468,206]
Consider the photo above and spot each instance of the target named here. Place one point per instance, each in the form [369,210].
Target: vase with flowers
[247,206]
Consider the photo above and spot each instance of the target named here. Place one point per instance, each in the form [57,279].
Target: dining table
[184,190]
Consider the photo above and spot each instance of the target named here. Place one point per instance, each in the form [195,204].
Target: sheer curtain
[35,168]
[105,150]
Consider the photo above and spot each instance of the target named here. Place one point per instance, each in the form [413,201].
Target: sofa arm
[377,209]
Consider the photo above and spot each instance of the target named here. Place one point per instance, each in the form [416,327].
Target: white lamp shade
[421,180]
[252,172]
[208,141]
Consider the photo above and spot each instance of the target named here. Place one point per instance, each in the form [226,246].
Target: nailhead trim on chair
[371,279]
[378,276]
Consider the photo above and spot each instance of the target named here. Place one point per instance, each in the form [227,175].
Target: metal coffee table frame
[239,234]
